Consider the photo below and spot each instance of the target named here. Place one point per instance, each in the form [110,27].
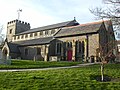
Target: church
[65,41]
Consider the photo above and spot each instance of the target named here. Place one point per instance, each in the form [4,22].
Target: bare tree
[106,57]
[111,12]
[2,36]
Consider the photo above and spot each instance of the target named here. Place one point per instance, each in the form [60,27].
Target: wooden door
[69,55]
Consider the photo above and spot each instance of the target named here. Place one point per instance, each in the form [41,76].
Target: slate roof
[79,29]
[13,47]
[38,41]
[58,25]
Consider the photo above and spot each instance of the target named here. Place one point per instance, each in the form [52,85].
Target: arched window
[79,46]
[58,48]
[69,44]
[82,47]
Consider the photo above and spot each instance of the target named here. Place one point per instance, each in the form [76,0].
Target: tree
[2,36]
[106,57]
[111,12]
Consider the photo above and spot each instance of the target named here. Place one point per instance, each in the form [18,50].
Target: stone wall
[33,54]
[91,44]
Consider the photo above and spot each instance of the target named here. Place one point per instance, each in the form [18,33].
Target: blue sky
[45,12]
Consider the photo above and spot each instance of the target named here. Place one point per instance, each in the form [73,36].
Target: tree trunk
[102,72]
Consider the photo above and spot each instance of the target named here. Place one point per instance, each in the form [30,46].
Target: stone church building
[64,41]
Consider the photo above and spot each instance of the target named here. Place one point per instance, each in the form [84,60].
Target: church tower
[15,27]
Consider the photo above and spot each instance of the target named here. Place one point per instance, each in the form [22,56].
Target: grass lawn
[20,64]
[62,79]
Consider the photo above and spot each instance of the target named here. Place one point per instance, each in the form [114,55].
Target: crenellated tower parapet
[15,27]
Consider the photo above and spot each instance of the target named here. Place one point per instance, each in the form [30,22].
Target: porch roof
[13,47]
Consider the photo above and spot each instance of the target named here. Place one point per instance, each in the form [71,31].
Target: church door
[69,55]
[5,52]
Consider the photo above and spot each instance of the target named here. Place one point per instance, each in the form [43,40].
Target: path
[17,70]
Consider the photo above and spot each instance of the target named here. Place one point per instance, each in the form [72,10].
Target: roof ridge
[52,24]
[32,30]
[89,23]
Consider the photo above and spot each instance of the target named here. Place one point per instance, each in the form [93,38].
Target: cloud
[44,12]
[67,9]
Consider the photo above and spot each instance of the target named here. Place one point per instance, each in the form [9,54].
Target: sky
[45,12]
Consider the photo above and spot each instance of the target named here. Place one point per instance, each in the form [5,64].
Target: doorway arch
[5,53]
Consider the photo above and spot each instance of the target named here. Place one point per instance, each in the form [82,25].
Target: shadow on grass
[98,78]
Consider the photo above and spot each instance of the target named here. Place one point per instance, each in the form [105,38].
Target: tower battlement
[18,21]
[15,27]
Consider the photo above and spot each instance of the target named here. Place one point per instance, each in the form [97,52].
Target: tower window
[10,31]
